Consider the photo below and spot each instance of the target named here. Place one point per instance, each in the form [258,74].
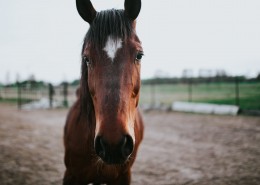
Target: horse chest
[104,173]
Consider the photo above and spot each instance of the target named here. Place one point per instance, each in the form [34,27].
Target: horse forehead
[112,46]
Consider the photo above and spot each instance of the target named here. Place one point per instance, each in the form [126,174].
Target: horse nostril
[127,146]
[114,153]
[100,147]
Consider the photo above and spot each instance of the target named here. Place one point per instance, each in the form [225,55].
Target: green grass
[219,93]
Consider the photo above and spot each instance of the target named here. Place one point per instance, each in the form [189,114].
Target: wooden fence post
[51,93]
[19,95]
[190,90]
[153,94]
[237,90]
[65,94]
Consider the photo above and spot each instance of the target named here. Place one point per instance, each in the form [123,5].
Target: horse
[104,127]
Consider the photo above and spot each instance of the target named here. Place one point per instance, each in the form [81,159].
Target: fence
[30,96]
[246,95]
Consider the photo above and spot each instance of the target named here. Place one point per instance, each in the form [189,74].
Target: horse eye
[86,60]
[139,56]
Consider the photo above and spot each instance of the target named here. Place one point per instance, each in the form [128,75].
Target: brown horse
[104,127]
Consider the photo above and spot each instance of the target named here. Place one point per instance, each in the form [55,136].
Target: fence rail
[49,95]
[244,94]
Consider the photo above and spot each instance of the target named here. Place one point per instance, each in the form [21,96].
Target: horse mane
[113,23]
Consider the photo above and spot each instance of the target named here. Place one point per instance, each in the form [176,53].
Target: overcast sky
[44,37]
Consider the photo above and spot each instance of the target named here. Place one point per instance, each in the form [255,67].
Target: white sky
[44,37]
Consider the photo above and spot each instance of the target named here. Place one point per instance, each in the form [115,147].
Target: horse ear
[132,8]
[86,10]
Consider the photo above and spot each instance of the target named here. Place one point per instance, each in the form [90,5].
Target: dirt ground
[178,148]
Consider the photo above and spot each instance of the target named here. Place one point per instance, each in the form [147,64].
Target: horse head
[111,59]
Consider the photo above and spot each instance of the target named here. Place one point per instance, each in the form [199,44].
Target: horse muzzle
[114,153]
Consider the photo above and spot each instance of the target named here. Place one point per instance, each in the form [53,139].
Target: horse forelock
[111,24]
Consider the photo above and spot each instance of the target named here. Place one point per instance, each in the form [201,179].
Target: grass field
[15,100]
[219,93]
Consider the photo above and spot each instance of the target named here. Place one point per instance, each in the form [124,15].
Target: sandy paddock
[178,148]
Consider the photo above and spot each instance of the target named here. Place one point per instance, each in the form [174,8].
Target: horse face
[114,83]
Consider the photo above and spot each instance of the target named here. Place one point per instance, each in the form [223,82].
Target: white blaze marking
[112,46]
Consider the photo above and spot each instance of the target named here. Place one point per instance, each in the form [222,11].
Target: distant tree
[221,73]
[258,77]
[31,77]
[75,82]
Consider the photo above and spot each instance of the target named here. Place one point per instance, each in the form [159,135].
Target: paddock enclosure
[177,148]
